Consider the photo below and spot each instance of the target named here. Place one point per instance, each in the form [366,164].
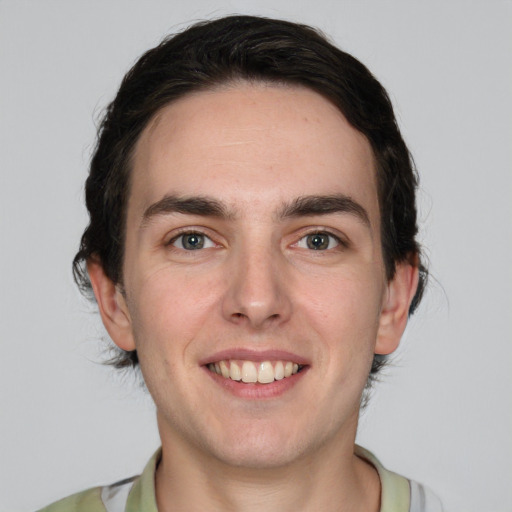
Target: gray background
[442,415]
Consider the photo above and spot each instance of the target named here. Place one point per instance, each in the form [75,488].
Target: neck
[332,479]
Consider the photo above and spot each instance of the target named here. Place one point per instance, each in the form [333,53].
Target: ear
[112,306]
[395,309]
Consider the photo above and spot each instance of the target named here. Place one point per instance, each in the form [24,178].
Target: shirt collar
[395,489]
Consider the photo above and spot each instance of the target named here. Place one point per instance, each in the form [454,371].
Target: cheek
[171,307]
[344,310]
[347,295]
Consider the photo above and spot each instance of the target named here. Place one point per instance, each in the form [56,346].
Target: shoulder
[423,499]
[111,498]
[89,500]
[135,493]
[399,494]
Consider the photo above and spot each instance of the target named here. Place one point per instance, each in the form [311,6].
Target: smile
[250,372]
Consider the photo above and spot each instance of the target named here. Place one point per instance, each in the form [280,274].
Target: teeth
[279,371]
[266,373]
[224,369]
[234,372]
[250,372]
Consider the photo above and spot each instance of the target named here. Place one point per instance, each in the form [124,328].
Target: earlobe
[395,309]
[112,306]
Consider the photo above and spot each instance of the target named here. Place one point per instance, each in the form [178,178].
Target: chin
[264,446]
[259,456]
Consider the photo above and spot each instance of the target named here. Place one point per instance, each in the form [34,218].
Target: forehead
[252,144]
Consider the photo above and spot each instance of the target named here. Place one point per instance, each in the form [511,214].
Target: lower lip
[257,391]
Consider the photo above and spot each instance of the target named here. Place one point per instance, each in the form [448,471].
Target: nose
[257,294]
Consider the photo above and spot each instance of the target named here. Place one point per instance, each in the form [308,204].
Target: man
[252,247]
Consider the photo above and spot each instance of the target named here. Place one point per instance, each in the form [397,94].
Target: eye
[318,241]
[192,241]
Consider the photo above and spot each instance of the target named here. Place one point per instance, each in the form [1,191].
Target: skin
[256,285]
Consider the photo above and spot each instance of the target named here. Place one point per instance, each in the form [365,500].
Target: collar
[395,489]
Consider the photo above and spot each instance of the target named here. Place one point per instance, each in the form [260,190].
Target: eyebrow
[324,205]
[303,206]
[197,205]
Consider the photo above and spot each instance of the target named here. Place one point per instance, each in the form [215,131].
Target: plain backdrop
[443,412]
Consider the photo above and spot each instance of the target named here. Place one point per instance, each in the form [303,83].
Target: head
[251,50]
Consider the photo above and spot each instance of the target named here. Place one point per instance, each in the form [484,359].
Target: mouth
[250,372]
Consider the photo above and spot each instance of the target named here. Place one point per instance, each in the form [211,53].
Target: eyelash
[340,242]
[183,234]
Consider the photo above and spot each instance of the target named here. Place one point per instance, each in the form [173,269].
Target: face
[254,283]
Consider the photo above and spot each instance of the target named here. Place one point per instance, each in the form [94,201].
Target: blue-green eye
[318,242]
[192,241]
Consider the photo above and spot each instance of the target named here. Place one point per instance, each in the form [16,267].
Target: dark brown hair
[249,48]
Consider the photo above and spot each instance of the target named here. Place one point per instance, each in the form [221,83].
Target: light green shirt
[398,494]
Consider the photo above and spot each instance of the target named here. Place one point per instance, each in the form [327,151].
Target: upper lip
[256,356]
